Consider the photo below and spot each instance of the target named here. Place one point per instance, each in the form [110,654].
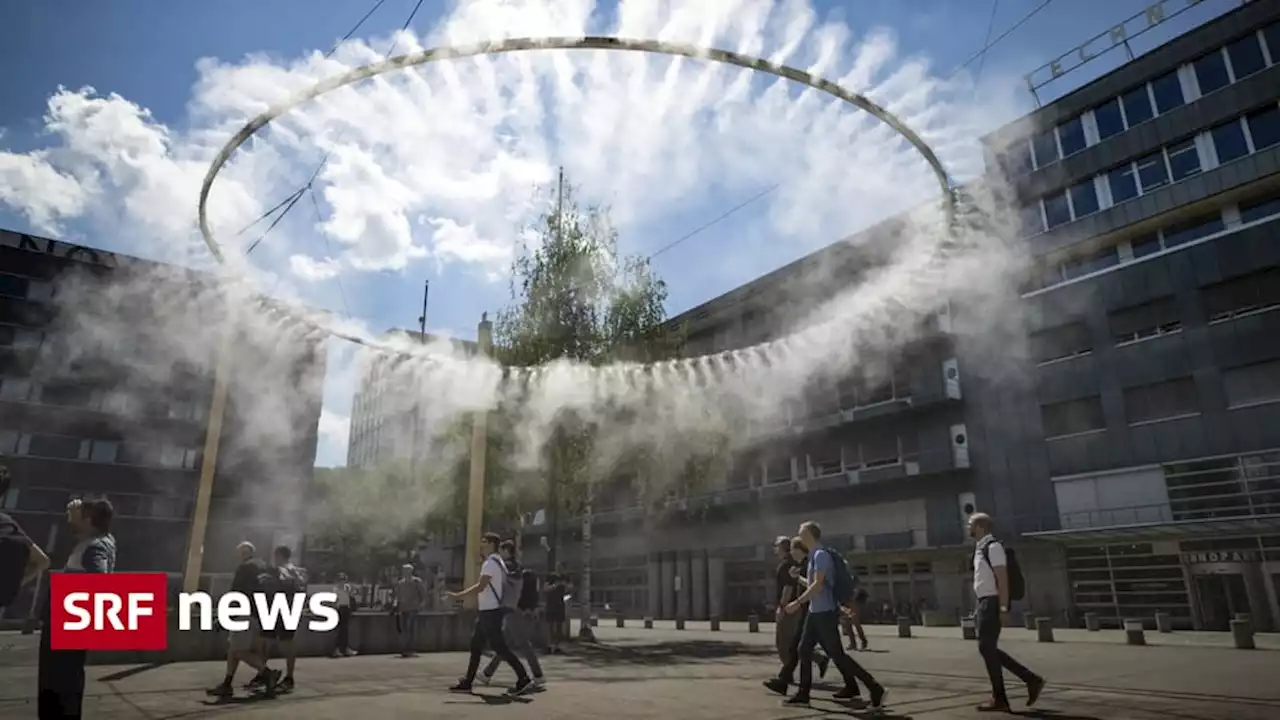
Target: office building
[106,379]
[1137,471]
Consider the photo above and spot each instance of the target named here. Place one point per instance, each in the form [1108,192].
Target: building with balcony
[106,378]
[1151,202]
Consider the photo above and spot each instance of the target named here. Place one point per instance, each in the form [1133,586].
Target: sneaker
[539,683]
[286,684]
[847,693]
[797,700]
[272,680]
[994,705]
[350,653]
[221,690]
[1033,691]
[336,654]
[461,686]
[521,687]
[255,682]
[878,694]
[776,685]
[823,663]
[485,679]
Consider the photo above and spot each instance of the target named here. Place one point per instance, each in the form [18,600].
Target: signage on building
[1221,556]
[56,248]
[1117,36]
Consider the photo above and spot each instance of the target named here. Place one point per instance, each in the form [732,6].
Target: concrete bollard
[1044,629]
[622,621]
[753,623]
[1164,623]
[968,628]
[648,623]
[904,627]
[679,623]
[1091,622]
[1243,616]
[715,624]
[1028,621]
[595,621]
[1242,634]
[1134,634]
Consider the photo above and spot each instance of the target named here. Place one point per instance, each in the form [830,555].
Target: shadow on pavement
[130,672]
[1051,715]
[663,653]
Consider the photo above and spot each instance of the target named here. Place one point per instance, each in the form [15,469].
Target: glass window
[1193,229]
[1160,401]
[1259,208]
[8,443]
[1071,136]
[1046,148]
[1271,34]
[1124,184]
[1110,121]
[13,286]
[1168,93]
[1056,210]
[1246,56]
[14,389]
[1137,106]
[1032,222]
[1252,384]
[1145,245]
[1228,140]
[1152,172]
[39,290]
[54,446]
[1073,416]
[1100,260]
[1016,159]
[1184,159]
[104,451]
[1264,127]
[1084,199]
[1211,72]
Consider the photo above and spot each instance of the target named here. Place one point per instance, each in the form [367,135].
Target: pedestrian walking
[997,580]
[829,584]
[790,626]
[852,619]
[488,591]
[520,608]
[253,575]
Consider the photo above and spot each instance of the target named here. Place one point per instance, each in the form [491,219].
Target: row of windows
[1049,272]
[881,450]
[1210,72]
[43,500]
[1233,298]
[1224,143]
[1244,386]
[23,288]
[63,447]
[20,338]
[70,394]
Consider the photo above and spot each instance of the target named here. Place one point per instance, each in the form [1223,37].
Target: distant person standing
[554,611]
[21,561]
[346,606]
[409,597]
[993,586]
[61,678]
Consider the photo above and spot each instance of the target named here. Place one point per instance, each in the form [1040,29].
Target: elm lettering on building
[1119,35]
[59,249]
[1224,556]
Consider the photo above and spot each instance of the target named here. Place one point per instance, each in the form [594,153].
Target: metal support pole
[479,448]
[204,493]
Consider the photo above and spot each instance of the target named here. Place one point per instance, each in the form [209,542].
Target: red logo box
[108,611]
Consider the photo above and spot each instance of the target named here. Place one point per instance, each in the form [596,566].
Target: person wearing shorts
[290,576]
[244,645]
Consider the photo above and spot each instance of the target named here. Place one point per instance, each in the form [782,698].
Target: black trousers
[987,620]
[488,631]
[823,628]
[344,629]
[791,654]
[61,681]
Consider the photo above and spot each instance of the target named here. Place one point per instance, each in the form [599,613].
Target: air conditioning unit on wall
[960,446]
[951,378]
[968,506]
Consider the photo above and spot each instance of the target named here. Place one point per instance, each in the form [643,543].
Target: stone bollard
[595,621]
[622,621]
[1242,616]
[1044,629]
[648,623]
[968,628]
[679,623]
[1242,633]
[1028,620]
[1164,623]
[904,627]
[753,623]
[715,624]
[1134,634]
[1091,622]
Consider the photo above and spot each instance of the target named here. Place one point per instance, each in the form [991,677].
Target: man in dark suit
[61,679]
[21,561]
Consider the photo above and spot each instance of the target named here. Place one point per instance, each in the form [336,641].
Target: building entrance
[1221,596]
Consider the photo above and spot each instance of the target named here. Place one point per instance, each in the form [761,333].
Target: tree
[574,298]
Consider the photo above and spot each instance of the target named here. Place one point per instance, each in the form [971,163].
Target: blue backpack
[842,582]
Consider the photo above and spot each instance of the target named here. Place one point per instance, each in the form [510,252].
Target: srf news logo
[129,611]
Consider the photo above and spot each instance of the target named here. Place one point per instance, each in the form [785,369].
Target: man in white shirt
[488,628]
[991,586]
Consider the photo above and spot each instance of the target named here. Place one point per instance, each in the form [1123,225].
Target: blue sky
[146,52]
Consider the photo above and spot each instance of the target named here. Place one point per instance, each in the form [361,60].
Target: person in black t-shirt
[787,584]
[252,576]
[21,561]
[555,591]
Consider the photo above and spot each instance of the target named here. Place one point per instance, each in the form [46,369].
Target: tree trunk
[584,632]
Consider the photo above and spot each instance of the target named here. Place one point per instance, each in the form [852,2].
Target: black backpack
[842,581]
[1017,584]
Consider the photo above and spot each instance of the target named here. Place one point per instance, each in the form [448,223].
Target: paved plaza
[694,674]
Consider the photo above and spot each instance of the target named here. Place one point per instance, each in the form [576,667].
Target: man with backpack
[252,576]
[289,580]
[488,591]
[830,588]
[997,580]
[520,609]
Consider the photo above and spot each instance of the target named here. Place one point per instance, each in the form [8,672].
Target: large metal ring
[552,43]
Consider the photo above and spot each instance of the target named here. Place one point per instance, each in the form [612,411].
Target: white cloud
[312,270]
[334,432]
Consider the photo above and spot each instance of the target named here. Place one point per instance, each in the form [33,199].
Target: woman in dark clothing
[61,674]
[555,611]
